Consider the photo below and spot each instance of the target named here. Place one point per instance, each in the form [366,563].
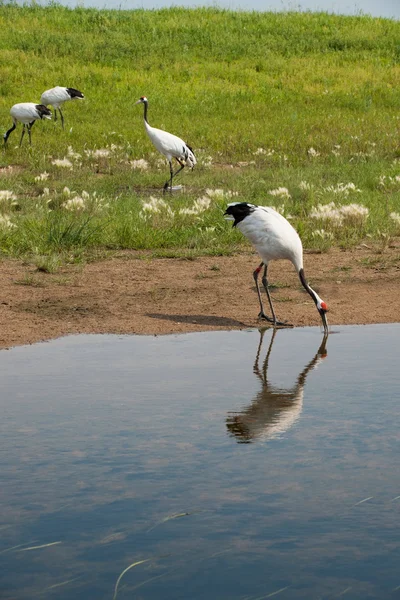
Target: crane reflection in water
[274,409]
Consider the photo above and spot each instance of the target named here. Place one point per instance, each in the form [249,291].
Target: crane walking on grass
[57,96]
[169,145]
[273,237]
[26,113]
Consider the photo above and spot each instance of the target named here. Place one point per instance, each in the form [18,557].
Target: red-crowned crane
[57,96]
[171,146]
[273,237]
[26,113]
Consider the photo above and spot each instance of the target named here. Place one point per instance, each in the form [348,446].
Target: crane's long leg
[22,134]
[168,184]
[6,135]
[62,117]
[55,114]
[265,285]
[262,314]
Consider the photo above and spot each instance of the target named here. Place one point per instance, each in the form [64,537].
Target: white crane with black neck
[171,146]
[56,97]
[26,113]
[274,238]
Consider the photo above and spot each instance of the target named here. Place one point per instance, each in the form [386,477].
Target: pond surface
[212,467]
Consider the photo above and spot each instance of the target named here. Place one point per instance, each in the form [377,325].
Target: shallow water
[236,471]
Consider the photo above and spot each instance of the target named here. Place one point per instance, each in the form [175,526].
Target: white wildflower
[66,191]
[217,193]
[199,206]
[63,163]
[42,177]
[72,154]
[75,203]
[396,217]
[260,151]
[312,152]
[246,163]
[99,153]
[6,223]
[305,186]
[321,233]
[351,213]
[7,195]
[140,164]
[154,205]
[220,194]
[327,212]
[46,191]
[354,211]
[280,192]
[342,188]
[387,180]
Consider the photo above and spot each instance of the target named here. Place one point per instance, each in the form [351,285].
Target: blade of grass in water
[15,547]
[135,564]
[170,517]
[38,547]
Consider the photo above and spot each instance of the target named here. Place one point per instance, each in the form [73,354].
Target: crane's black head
[239,211]
[43,111]
[75,94]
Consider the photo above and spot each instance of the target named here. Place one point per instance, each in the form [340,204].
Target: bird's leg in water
[274,319]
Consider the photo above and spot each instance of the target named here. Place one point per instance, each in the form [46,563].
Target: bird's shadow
[209,320]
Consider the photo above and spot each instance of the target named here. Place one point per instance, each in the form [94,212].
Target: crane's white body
[26,112]
[56,96]
[272,236]
[170,145]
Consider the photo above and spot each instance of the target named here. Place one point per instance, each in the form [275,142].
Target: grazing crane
[26,113]
[273,410]
[273,237]
[57,96]
[169,145]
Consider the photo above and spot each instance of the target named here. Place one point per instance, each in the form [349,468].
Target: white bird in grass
[57,96]
[26,113]
[171,146]
[273,237]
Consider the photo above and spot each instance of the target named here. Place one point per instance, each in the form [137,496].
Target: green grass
[266,100]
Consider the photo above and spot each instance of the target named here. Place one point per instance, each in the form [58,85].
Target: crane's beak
[139,102]
[324,321]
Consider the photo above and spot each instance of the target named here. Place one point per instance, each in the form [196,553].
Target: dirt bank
[160,296]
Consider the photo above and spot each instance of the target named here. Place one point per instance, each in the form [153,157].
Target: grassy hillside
[305,106]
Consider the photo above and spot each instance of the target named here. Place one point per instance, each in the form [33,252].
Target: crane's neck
[308,288]
[145,112]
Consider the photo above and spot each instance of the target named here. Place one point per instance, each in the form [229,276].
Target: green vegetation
[305,106]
